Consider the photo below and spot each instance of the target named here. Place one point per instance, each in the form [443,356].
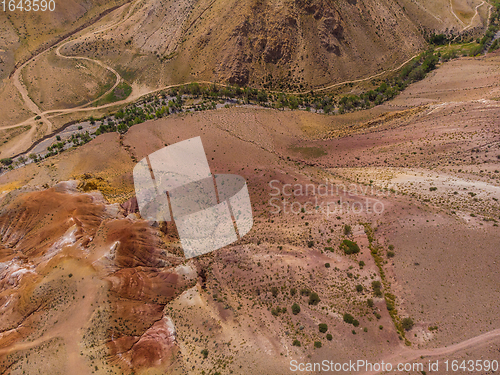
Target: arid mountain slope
[288,44]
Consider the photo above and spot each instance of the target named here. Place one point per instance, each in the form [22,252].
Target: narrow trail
[475,15]
[454,14]
[27,139]
[490,7]
[358,80]
[32,106]
[101,64]
[406,355]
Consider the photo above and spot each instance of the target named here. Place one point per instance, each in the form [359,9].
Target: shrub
[361,264]
[274,291]
[390,254]
[310,243]
[6,161]
[370,302]
[295,309]
[296,342]
[407,323]
[348,318]
[347,229]
[380,327]
[391,247]
[323,328]
[327,265]
[317,344]
[377,285]
[359,288]
[355,323]
[305,292]
[293,291]
[350,247]
[389,304]
[314,298]
[205,353]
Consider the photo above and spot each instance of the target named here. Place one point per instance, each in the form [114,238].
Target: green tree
[314,298]
[348,318]
[407,323]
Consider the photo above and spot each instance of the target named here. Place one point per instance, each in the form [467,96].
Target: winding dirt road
[407,355]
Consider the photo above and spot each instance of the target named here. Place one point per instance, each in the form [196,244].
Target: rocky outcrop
[43,231]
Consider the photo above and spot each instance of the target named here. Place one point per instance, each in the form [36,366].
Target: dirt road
[407,355]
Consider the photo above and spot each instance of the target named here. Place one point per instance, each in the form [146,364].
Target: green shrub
[293,291]
[355,323]
[205,353]
[295,309]
[348,318]
[317,344]
[389,304]
[274,291]
[359,288]
[377,285]
[350,247]
[370,302]
[329,337]
[407,323]
[305,292]
[314,298]
[347,230]
[323,328]
[296,342]
[327,265]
